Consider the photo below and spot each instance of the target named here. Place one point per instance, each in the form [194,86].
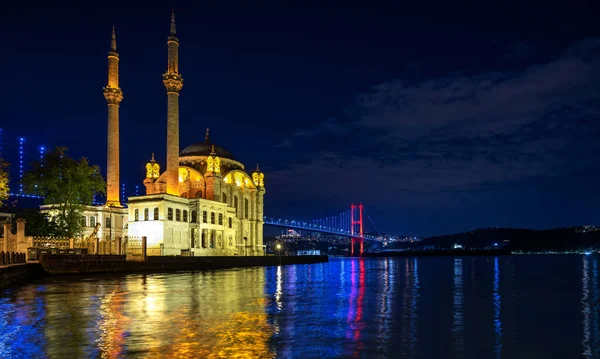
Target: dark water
[468,307]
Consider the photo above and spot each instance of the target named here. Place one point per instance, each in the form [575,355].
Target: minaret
[173,82]
[113,95]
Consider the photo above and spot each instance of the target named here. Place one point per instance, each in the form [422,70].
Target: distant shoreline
[440,253]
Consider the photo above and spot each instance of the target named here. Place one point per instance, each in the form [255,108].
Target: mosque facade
[204,203]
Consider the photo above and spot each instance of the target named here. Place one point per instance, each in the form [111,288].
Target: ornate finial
[113,40]
[152,160]
[212,151]
[257,169]
[207,135]
[173,22]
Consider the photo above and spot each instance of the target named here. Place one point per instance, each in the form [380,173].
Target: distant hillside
[520,239]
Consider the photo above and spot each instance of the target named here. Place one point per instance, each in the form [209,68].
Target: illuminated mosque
[202,204]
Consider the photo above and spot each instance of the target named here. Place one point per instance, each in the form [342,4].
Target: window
[170,214]
[92,221]
[155,214]
[194,215]
[224,198]
[221,219]
[212,217]
[136,214]
[198,194]
[230,223]
[235,204]
[245,207]
[146,214]
[203,239]
[178,215]
[83,221]
[185,213]
[204,215]
[107,220]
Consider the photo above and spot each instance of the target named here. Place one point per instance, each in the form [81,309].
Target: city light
[21,142]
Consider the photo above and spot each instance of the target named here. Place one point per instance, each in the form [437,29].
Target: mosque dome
[205,149]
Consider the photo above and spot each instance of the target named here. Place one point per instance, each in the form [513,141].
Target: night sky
[439,120]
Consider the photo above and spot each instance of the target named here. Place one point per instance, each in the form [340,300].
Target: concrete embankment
[65,264]
[19,273]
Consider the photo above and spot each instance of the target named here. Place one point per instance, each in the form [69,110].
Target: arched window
[198,194]
[146,214]
[224,197]
[245,207]
[203,239]
[221,219]
[184,195]
[136,215]
[212,217]
[235,204]
[84,221]
[194,216]
[185,213]
[170,214]
[178,215]
[156,213]
[93,221]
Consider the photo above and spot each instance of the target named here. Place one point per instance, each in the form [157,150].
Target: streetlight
[278,246]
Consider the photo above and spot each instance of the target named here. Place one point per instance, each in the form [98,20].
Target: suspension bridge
[347,224]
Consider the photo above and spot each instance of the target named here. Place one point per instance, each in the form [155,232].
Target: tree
[4,190]
[67,184]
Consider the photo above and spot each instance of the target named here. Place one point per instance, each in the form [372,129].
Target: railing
[133,247]
[7,258]
[155,250]
[51,242]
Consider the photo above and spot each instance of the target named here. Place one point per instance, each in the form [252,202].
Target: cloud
[286,143]
[461,132]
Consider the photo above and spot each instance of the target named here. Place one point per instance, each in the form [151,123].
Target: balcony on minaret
[113,95]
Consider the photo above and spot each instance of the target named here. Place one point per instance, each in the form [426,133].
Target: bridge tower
[357,233]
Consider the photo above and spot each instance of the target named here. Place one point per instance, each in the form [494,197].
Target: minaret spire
[173,28]
[173,83]
[113,41]
[113,96]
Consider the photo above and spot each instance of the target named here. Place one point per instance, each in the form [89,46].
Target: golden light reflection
[279,290]
[112,324]
[179,318]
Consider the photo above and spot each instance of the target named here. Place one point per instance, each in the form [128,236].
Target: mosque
[204,203]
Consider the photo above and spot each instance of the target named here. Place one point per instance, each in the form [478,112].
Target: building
[203,203]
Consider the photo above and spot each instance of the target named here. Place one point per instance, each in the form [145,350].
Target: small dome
[205,148]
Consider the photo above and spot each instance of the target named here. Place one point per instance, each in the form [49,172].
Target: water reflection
[497,309]
[112,335]
[590,303]
[208,315]
[458,308]
[386,301]
[347,308]
[409,306]
[355,306]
